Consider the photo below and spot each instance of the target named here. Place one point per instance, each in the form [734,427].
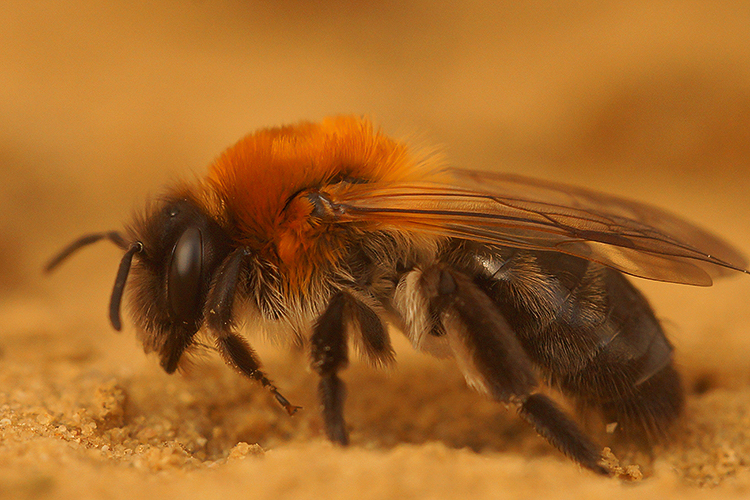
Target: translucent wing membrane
[519,212]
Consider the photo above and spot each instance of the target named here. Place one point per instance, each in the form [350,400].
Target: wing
[521,212]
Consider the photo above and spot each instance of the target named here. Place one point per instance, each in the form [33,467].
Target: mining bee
[329,232]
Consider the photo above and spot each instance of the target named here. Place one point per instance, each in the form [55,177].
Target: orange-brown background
[101,103]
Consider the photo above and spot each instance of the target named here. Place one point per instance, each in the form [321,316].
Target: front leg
[234,349]
[329,355]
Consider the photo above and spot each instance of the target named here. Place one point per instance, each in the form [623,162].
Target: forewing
[516,211]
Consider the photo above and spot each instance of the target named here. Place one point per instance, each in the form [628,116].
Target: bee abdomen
[592,334]
[631,378]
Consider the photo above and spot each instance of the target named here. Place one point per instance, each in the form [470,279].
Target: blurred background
[102,103]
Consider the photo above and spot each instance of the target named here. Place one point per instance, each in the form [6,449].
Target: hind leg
[488,352]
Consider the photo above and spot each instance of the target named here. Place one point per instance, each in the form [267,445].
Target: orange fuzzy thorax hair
[256,178]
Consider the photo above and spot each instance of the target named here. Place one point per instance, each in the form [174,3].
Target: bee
[330,232]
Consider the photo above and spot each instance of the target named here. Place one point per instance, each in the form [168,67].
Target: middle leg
[329,355]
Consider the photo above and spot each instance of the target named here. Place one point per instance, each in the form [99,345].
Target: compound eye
[184,280]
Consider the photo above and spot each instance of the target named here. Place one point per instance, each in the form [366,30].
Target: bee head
[180,249]
[177,249]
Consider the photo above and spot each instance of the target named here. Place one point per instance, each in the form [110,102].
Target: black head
[177,249]
[182,247]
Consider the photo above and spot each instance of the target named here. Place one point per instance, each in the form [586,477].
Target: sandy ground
[102,103]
